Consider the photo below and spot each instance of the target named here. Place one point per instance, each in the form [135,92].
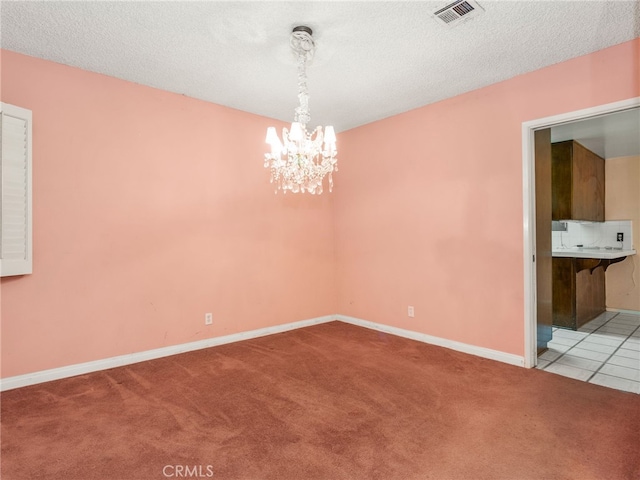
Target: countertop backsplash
[594,234]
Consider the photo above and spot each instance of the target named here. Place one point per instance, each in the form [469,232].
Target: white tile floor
[605,351]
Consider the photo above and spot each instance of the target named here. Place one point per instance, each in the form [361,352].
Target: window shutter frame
[11,164]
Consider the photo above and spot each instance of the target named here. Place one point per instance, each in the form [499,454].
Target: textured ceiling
[374,59]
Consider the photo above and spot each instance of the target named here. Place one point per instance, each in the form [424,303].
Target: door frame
[529,210]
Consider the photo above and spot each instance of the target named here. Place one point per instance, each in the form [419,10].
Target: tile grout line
[579,342]
[614,352]
[602,363]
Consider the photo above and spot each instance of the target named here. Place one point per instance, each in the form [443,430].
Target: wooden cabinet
[578,291]
[577,180]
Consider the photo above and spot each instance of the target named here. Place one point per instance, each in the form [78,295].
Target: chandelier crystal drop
[301,160]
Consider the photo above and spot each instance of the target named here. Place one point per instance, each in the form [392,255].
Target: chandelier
[301,160]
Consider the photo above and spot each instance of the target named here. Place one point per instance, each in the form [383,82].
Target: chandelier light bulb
[272,136]
[329,136]
[301,160]
[296,132]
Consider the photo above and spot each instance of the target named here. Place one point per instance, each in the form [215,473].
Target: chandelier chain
[302,115]
[303,45]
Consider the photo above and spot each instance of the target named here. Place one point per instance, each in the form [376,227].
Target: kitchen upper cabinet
[577,183]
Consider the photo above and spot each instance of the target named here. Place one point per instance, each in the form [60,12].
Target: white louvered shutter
[15,191]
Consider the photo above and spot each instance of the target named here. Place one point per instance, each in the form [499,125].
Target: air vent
[457,12]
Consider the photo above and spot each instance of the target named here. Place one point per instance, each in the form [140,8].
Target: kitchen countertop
[602,253]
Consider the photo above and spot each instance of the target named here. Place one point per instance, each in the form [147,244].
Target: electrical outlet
[208,318]
[619,236]
[410,311]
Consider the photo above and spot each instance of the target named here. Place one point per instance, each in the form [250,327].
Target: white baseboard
[18,381]
[441,342]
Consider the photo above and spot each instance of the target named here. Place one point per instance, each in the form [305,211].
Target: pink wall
[140,226]
[150,209]
[429,210]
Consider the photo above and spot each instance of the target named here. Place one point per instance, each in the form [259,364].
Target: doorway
[529,210]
